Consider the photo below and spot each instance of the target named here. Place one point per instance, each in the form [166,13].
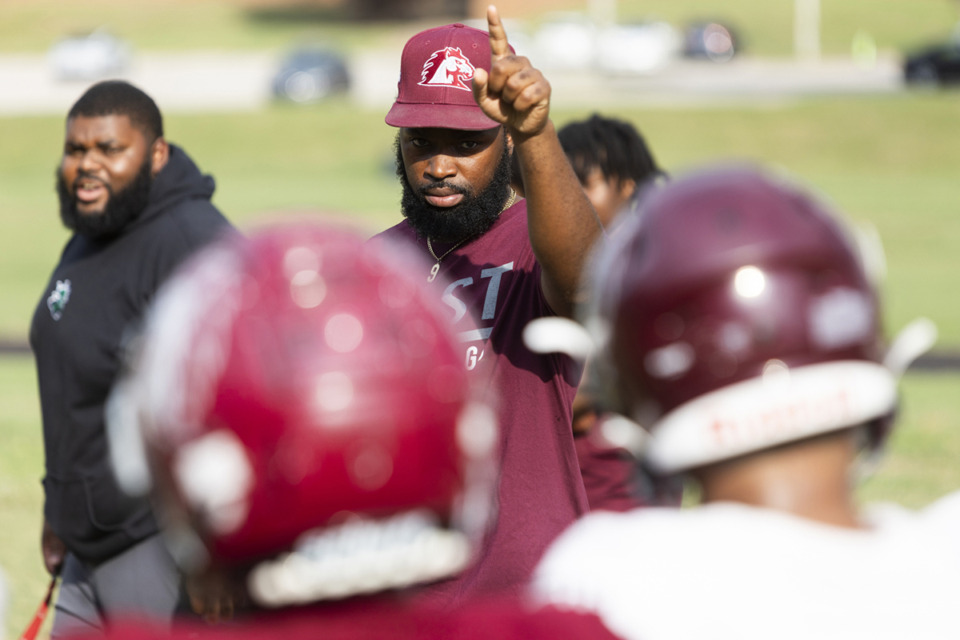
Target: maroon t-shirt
[608,476]
[496,277]
[612,479]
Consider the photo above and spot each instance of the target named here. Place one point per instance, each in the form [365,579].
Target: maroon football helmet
[305,408]
[733,313]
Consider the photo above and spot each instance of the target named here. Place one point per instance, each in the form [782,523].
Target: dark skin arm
[563,224]
[216,597]
[52,548]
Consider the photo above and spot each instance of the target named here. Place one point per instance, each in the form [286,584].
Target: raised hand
[514,93]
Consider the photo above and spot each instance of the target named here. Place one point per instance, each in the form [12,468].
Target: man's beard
[122,206]
[475,213]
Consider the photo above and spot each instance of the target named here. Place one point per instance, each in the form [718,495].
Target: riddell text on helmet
[782,421]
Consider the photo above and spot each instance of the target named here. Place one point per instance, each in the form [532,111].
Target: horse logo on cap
[452,69]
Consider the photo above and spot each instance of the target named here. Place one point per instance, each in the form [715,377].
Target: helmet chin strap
[911,342]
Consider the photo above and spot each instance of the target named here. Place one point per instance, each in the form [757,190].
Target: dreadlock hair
[615,147]
[116,97]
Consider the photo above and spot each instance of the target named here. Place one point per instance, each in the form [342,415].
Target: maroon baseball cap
[436,73]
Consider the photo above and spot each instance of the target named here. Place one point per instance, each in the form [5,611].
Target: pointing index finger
[499,47]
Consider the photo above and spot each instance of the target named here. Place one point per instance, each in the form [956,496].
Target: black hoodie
[101,288]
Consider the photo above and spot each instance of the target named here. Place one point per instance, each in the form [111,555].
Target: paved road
[221,81]
[194,81]
[739,81]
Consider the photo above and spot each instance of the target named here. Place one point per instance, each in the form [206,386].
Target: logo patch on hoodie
[57,300]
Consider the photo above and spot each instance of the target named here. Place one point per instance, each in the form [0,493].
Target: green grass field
[890,161]
[21,497]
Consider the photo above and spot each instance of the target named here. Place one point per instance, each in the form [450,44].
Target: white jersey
[729,570]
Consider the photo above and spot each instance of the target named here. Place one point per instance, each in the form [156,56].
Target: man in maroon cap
[465,104]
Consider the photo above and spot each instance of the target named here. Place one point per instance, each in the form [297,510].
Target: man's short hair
[615,147]
[116,97]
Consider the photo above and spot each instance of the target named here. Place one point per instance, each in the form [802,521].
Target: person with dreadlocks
[611,160]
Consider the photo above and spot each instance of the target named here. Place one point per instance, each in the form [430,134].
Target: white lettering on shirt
[459,308]
[493,289]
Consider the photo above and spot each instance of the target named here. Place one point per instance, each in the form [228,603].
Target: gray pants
[142,581]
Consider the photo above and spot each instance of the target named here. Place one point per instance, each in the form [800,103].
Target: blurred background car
[571,41]
[310,74]
[934,65]
[564,40]
[89,56]
[637,48]
[709,40]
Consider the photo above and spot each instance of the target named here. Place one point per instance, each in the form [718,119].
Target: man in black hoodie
[137,206]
